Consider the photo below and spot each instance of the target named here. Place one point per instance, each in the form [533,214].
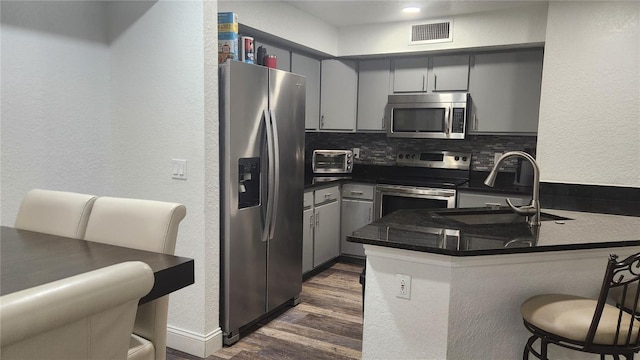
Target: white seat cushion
[140,348]
[570,316]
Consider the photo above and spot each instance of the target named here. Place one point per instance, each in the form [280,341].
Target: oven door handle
[393,190]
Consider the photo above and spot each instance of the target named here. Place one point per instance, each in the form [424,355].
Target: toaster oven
[332,161]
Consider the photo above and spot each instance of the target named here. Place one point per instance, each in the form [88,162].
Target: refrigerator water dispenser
[248,182]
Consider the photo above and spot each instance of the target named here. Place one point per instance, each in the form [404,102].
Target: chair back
[620,283]
[145,225]
[87,316]
[55,212]
[139,224]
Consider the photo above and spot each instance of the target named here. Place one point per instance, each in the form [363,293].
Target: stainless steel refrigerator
[262,184]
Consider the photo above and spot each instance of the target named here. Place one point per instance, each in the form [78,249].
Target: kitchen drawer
[471,199]
[358,191]
[308,200]
[327,195]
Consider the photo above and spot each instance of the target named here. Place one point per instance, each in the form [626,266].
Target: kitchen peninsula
[468,280]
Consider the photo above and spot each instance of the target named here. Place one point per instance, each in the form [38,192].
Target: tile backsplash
[378,149]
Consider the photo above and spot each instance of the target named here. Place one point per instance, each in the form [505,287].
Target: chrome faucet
[532,211]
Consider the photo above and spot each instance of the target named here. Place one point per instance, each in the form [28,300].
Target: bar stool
[589,325]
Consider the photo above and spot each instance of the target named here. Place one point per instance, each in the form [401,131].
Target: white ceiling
[342,13]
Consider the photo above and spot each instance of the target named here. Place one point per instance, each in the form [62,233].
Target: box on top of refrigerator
[227,36]
[227,22]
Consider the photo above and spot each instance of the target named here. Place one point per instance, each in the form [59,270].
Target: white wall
[158,113]
[98,97]
[589,131]
[284,21]
[521,26]
[468,307]
[56,129]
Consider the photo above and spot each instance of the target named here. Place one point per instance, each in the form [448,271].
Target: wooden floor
[327,324]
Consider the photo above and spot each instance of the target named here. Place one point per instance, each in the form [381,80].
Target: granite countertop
[427,230]
[371,173]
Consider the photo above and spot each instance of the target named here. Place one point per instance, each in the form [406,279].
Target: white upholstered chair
[55,212]
[87,316]
[145,225]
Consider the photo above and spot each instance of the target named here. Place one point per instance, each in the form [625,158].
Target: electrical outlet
[356,153]
[403,286]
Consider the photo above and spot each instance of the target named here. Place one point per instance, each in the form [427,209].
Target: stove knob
[348,161]
[400,156]
[464,158]
[457,158]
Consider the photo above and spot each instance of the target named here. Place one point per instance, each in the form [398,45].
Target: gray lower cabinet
[505,92]
[357,211]
[477,199]
[326,237]
[308,226]
[321,225]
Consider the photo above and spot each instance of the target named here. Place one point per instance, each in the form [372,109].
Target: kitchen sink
[493,216]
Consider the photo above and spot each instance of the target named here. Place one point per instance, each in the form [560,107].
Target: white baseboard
[194,344]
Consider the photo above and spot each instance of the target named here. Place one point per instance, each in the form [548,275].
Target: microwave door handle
[447,116]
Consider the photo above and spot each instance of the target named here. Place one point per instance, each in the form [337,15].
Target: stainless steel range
[424,180]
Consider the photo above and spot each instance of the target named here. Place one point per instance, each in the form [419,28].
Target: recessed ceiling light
[411,10]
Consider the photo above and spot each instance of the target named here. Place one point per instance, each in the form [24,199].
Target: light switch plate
[179,169]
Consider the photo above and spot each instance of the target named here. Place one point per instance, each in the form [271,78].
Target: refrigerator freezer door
[287,112]
[243,105]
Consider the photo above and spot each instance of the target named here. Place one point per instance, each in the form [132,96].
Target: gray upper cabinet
[505,92]
[283,56]
[451,73]
[410,74]
[310,68]
[373,92]
[338,95]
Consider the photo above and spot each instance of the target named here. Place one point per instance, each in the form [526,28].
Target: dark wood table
[29,259]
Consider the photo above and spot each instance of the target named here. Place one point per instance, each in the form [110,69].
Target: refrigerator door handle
[276,167]
[270,176]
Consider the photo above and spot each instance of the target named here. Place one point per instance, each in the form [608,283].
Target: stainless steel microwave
[332,161]
[428,116]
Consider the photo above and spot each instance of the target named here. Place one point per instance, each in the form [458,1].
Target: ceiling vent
[432,32]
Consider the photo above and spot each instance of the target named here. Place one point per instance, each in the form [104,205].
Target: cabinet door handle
[311,221]
[424,82]
[435,82]
[475,122]
[357,192]
[383,123]
[317,219]
[321,121]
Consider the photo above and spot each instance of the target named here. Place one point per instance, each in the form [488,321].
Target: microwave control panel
[457,120]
